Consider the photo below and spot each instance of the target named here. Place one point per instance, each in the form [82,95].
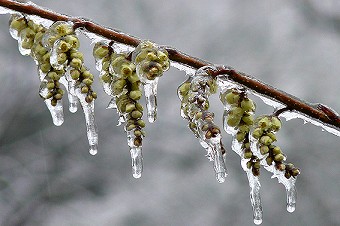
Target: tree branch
[318,112]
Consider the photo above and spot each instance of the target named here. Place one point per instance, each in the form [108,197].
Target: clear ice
[91,127]
[70,89]
[212,145]
[150,90]
[56,111]
[136,155]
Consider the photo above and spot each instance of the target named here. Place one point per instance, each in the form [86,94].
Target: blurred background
[47,176]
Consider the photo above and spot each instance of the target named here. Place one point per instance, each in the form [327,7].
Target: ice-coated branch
[318,112]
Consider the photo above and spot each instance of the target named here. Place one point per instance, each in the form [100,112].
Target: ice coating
[56,112]
[91,127]
[4,10]
[54,56]
[194,93]
[72,98]
[181,67]
[288,115]
[136,162]
[150,90]
[289,184]
[136,155]
[255,198]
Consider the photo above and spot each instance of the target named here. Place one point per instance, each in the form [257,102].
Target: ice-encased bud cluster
[194,94]
[237,121]
[121,82]
[55,51]
[262,144]
[151,61]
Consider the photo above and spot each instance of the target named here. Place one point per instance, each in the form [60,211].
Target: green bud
[257,165]
[45,67]
[133,78]
[266,140]
[295,172]
[276,123]
[257,133]
[73,41]
[249,164]
[247,105]
[52,75]
[279,158]
[63,46]
[264,149]
[18,24]
[61,58]
[248,119]
[269,161]
[272,136]
[100,51]
[87,74]
[89,98]
[94,95]
[118,86]
[130,107]
[76,63]
[88,81]
[287,175]
[135,95]
[184,89]
[276,150]
[106,78]
[130,127]
[58,96]
[84,89]
[50,85]
[136,114]
[240,136]
[139,107]
[280,166]
[264,123]
[247,154]
[75,74]
[54,102]
[141,123]
[77,54]
[232,97]
[244,128]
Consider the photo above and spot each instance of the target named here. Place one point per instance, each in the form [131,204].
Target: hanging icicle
[151,61]
[194,94]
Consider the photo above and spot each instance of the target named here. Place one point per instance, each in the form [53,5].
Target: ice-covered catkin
[263,138]
[194,94]
[151,61]
[238,120]
[29,36]
[120,81]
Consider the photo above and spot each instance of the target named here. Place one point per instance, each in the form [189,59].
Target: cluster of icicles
[124,73]
[253,139]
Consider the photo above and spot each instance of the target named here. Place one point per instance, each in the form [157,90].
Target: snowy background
[48,178]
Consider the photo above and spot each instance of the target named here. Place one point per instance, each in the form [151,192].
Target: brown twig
[291,102]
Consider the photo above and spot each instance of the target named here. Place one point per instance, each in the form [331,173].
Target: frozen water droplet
[93,149]
[137,161]
[56,112]
[257,221]
[150,90]
[112,104]
[91,127]
[23,51]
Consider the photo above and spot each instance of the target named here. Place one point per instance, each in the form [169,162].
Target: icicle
[255,197]
[72,98]
[150,90]
[136,155]
[137,162]
[150,62]
[91,126]
[194,93]
[56,112]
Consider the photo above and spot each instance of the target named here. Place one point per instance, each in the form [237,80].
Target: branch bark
[318,112]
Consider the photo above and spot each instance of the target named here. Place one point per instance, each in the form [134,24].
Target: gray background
[48,178]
